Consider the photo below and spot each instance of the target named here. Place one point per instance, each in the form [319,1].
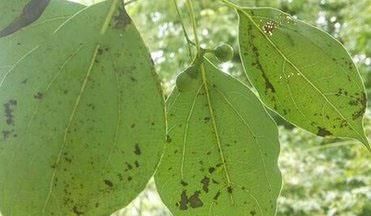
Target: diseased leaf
[221,152]
[302,73]
[82,121]
[19,13]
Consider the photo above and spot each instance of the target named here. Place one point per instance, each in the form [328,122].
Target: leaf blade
[89,123]
[305,87]
[13,20]
[209,138]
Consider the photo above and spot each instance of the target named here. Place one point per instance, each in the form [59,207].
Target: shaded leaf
[221,152]
[35,34]
[302,73]
[15,19]
[10,10]
[82,118]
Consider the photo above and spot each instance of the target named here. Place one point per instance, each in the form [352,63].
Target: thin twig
[194,26]
[189,42]
[129,2]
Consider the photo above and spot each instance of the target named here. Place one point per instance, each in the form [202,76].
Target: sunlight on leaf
[83,115]
[221,151]
[302,73]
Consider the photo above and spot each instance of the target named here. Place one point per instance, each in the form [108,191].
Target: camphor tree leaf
[19,13]
[82,121]
[25,40]
[10,10]
[302,73]
[222,149]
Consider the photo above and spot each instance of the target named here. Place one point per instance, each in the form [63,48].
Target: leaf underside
[82,121]
[302,73]
[28,38]
[17,14]
[221,152]
[10,10]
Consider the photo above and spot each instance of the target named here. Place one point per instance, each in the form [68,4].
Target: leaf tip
[365,142]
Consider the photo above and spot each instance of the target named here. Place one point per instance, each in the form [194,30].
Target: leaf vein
[304,77]
[71,118]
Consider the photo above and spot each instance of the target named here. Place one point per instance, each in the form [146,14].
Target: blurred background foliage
[322,177]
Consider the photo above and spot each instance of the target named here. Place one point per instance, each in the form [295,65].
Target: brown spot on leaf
[77,211]
[360,101]
[129,166]
[108,183]
[217,195]
[343,124]
[211,169]
[193,201]
[100,51]
[183,201]
[9,109]
[137,150]
[358,114]
[6,134]
[323,132]
[168,139]
[268,85]
[205,184]
[183,183]
[136,163]
[214,181]
[38,96]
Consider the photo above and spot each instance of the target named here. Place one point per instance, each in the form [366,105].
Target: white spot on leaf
[269,27]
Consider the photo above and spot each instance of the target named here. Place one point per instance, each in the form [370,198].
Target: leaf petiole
[230,4]
[194,26]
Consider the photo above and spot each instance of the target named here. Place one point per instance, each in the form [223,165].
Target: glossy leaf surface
[221,152]
[82,120]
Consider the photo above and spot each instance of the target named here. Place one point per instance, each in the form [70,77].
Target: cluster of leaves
[214,123]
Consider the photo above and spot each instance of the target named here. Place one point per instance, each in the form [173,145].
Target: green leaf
[10,10]
[34,35]
[19,13]
[82,121]
[302,73]
[221,152]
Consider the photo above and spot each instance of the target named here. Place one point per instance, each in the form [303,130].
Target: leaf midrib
[302,75]
[78,99]
[212,116]
[244,122]
[312,42]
